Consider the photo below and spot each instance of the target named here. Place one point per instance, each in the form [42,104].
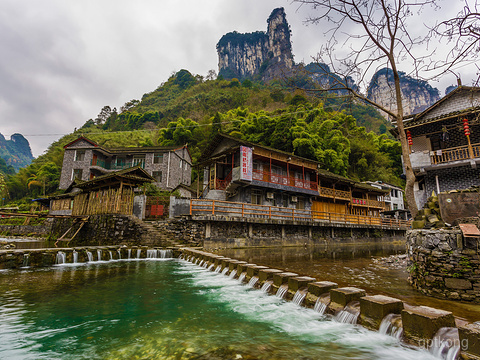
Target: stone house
[85,160]
[245,173]
[445,144]
[393,199]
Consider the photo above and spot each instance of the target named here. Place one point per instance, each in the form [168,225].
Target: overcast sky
[61,61]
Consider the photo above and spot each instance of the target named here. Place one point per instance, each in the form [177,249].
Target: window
[158,158]
[284,200]
[79,155]
[157,175]
[77,174]
[120,163]
[300,203]
[256,197]
[395,206]
[138,160]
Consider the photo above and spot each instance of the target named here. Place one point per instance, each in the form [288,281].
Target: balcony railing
[367,203]
[206,207]
[116,166]
[334,193]
[454,154]
[222,184]
[284,180]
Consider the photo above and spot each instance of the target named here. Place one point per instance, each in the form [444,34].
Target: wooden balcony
[454,154]
[206,207]
[334,194]
[284,180]
[368,203]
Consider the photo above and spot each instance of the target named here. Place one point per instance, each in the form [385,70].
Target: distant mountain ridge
[267,56]
[16,151]
[417,94]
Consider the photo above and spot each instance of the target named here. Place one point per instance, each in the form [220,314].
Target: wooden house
[241,172]
[112,193]
[445,144]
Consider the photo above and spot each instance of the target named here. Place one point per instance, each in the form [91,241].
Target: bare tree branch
[374,35]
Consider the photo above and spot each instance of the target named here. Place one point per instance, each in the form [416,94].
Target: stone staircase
[152,235]
[155,235]
[167,233]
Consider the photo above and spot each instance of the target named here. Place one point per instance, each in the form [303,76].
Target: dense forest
[347,138]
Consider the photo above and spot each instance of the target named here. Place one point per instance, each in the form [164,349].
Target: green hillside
[188,109]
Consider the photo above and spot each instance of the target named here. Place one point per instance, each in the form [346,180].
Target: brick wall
[454,178]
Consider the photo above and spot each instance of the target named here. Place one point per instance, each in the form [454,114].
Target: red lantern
[409,138]
[466,128]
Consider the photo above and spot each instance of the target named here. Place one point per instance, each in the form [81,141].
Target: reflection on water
[167,309]
[351,265]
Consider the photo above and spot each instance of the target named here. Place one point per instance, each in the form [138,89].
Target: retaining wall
[102,230]
[444,264]
[229,232]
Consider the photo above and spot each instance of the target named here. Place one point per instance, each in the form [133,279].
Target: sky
[61,61]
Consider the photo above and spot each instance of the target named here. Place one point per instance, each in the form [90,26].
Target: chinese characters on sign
[246,163]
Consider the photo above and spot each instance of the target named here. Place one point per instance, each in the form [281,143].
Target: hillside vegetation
[189,109]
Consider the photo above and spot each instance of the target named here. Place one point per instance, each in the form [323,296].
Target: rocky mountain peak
[417,94]
[263,54]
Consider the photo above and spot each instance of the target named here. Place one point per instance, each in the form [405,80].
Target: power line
[158,129]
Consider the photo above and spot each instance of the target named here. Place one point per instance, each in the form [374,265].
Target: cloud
[63,60]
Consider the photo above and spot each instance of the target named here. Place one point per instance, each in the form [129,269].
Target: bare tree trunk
[409,186]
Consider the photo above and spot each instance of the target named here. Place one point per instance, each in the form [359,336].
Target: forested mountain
[188,109]
[268,55]
[15,152]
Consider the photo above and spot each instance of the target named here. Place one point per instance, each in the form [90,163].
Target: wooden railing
[454,154]
[222,184]
[367,203]
[284,180]
[225,208]
[334,193]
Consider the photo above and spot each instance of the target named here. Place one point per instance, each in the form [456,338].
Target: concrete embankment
[31,258]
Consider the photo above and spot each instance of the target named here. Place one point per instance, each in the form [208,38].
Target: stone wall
[230,232]
[26,230]
[444,264]
[102,230]
[187,232]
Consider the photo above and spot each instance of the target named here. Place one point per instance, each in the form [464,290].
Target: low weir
[436,330]
[433,329]
[16,259]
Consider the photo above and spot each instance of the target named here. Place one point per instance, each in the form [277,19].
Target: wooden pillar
[215,176]
[198,184]
[270,171]
[470,149]
[119,197]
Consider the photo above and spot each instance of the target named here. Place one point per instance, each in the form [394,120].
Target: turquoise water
[153,309]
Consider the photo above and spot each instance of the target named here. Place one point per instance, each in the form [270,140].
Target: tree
[104,115]
[377,37]
[211,75]
[129,105]
[464,31]
[3,188]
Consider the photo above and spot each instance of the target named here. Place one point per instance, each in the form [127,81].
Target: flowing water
[167,310]
[352,265]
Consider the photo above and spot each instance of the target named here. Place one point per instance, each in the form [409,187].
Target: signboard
[458,205]
[246,164]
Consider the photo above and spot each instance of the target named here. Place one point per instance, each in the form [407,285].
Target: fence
[225,208]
